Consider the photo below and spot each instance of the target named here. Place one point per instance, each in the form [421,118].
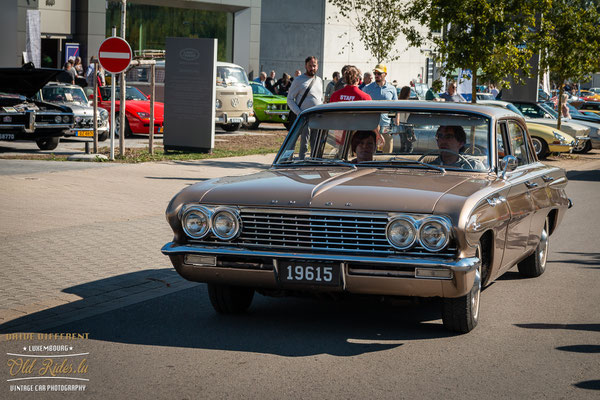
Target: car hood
[367,189]
[134,106]
[571,128]
[270,99]
[25,81]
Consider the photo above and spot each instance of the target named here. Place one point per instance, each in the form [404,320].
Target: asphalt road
[536,338]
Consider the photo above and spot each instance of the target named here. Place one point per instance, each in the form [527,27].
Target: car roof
[226,64]
[69,85]
[420,105]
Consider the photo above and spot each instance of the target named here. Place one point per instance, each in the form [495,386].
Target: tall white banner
[33,38]
[465,84]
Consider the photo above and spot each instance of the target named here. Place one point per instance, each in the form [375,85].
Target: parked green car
[268,107]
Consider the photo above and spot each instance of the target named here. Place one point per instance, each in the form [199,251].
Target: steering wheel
[474,150]
[438,152]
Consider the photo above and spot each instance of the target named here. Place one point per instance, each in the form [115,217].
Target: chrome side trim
[461,265]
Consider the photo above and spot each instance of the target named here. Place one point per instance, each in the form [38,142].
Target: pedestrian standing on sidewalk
[381,89]
[330,86]
[350,92]
[306,91]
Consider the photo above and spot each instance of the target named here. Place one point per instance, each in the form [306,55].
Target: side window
[518,142]
[502,146]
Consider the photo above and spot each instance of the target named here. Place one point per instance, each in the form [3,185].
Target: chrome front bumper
[399,276]
[242,119]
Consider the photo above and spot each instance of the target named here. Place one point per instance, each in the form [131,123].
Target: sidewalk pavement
[77,241]
[80,239]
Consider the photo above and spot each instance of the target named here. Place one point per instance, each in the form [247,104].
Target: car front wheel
[540,147]
[103,136]
[461,314]
[48,143]
[230,127]
[227,299]
[535,264]
[583,148]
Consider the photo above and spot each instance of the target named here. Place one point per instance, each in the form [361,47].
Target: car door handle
[547,178]
[531,185]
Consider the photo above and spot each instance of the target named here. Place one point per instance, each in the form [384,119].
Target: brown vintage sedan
[376,198]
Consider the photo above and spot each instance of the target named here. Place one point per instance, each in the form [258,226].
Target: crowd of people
[74,73]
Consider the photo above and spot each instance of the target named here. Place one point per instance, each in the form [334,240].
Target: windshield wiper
[405,161]
[324,161]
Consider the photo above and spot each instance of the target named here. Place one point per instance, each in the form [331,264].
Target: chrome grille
[358,233]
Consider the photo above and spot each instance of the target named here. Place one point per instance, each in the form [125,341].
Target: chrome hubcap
[475,293]
[537,145]
[543,246]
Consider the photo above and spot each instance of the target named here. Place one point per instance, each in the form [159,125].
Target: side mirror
[507,164]
[548,116]
[91,97]
[148,97]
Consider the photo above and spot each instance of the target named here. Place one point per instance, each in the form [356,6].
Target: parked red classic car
[137,110]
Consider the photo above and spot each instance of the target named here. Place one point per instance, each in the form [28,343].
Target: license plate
[307,272]
[85,133]
[160,129]
[7,136]
[234,120]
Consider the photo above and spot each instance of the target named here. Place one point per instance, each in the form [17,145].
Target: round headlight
[401,232]
[218,104]
[66,119]
[57,119]
[225,224]
[434,234]
[249,103]
[195,222]
[77,119]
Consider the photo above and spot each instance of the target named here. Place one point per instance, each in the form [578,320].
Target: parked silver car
[74,97]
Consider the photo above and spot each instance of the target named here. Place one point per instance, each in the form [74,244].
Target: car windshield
[261,90]
[64,94]
[227,75]
[549,109]
[131,93]
[413,139]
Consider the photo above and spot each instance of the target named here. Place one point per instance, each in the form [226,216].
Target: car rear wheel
[461,314]
[540,147]
[230,127]
[227,299]
[535,264]
[48,143]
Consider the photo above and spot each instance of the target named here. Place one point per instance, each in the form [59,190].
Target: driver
[363,144]
[451,141]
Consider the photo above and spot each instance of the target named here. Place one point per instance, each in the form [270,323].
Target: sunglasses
[378,73]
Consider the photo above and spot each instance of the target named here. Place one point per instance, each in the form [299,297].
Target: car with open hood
[456,198]
[74,97]
[22,117]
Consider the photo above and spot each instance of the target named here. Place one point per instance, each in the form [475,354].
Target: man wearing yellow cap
[382,90]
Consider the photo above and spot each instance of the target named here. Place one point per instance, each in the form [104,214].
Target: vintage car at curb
[137,110]
[545,137]
[74,97]
[24,118]
[541,110]
[268,107]
[233,104]
[452,200]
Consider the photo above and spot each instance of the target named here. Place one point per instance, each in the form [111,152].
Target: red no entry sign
[114,54]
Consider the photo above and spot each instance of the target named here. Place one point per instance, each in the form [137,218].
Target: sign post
[114,55]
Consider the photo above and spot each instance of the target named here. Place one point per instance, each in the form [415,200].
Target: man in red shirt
[350,92]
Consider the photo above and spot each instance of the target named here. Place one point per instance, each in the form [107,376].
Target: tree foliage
[493,37]
[378,23]
[569,40]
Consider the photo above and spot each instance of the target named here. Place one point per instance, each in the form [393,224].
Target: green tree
[491,37]
[570,42]
[378,23]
